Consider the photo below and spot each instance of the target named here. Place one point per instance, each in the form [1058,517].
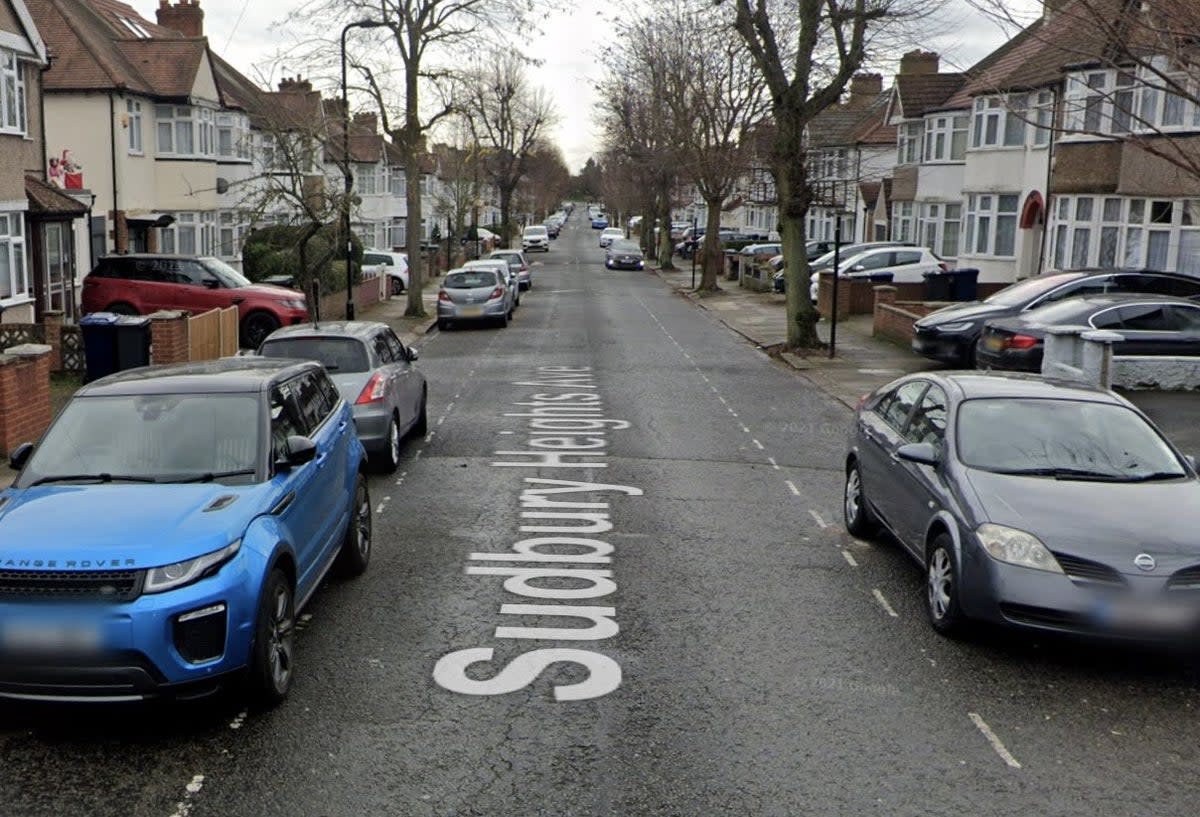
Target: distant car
[906,265]
[1149,324]
[517,261]
[474,296]
[161,538]
[624,254]
[374,373]
[951,334]
[1029,503]
[678,228]
[535,237]
[813,250]
[599,222]
[141,283]
[610,234]
[553,227]
[500,265]
[395,267]
[761,249]
[633,222]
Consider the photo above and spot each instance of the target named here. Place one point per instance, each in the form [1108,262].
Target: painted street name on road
[567,430]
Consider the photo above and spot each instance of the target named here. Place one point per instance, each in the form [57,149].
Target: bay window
[366,179]
[991,224]
[1114,231]
[12,94]
[185,131]
[945,138]
[14,277]
[1151,96]
[191,234]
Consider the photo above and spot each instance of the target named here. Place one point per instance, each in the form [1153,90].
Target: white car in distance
[609,234]
[906,265]
[535,237]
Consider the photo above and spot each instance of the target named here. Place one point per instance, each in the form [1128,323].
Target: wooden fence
[213,334]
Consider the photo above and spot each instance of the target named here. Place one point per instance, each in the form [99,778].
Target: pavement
[863,362]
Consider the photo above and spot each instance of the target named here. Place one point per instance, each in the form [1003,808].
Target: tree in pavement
[508,116]
[806,53]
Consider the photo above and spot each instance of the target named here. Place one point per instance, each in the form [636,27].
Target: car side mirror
[857,268]
[413,356]
[1189,458]
[923,453]
[20,456]
[300,450]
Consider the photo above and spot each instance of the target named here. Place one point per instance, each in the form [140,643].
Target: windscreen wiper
[1081,474]
[94,477]
[213,475]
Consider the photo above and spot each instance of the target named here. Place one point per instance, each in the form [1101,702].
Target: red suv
[141,283]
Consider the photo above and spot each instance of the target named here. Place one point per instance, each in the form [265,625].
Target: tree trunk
[793,208]
[713,257]
[415,308]
[506,197]
[666,245]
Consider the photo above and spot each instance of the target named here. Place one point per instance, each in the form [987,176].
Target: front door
[58,269]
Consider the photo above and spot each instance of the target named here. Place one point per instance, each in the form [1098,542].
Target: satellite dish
[222,186]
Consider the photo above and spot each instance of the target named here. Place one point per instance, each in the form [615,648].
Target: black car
[951,334]
[812,250]
[1150,325]
[623,254]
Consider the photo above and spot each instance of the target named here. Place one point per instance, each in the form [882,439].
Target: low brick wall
[370,291]
[859,296]
[894,318]
[24,395]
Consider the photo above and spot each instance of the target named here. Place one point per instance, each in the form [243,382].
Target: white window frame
[14,258]
[945,138]
[908,142]
[903,221]
[133,110]
[14,117]
[174,122]
[987,217]
[939,227]
[1126,231]
[1106,102]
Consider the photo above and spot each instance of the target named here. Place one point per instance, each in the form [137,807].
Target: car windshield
[1062,438]
[150,438]
[474,279]
[1027,290]
[228,275]
[535,231]
[337,355]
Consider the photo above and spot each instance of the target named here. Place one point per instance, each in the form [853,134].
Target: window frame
[136,141]
[16,258]
[14,94]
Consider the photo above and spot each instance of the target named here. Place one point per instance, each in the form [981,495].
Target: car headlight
[169,577]
[951,327]
[1016,547]
[294,303]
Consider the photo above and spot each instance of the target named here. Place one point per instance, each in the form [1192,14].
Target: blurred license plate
[993,343]
[472,311]
[50,637]
[1143,615]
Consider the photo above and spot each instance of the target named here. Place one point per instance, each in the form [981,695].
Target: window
[311,400]
[14,277]
[231,233]
[902,221]
[176,132]
[986,125]
[205,132]
[896,407]
[909,143]
[285,422]
[1154,95]
[992,224]
[366,179]
[233,136]
[191,234]
[1111,231]
[399,354]
[938,228]
[133,110]
[12,93]
[1043,117]
[928,424]
[945,138]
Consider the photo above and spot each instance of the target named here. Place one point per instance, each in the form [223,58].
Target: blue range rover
[164,532]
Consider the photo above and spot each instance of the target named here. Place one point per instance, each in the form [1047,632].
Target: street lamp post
[833,310]
[692,241]
[346,158]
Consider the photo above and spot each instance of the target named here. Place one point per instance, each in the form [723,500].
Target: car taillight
[1021,342]
[497,293]
[373,391]
[443,295]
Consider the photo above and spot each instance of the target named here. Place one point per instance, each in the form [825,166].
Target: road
[736,653]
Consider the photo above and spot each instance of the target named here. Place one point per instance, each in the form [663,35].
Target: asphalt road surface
[733,651]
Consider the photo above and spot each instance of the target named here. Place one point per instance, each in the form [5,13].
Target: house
[38,221]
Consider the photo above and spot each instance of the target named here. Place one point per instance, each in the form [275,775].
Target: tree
[507,116]
[806,56]
[547,180]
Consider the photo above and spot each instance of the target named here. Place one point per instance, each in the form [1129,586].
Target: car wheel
[397,286]
[941,587]
[421,427]
[502,321]
[860,521]
[121,308]
[355,554]
[256,327]
[443,325]
[968,357]
[272,661]
[391,455]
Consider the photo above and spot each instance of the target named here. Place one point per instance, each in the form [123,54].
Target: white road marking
[883,602]
[722,399]
[761,447]
[508,432]
[449,408]
[774,464]
[982,726]
[417,455]
[379,508]
[850,558]
[441,420]
[821,523]
[238,720]
[791,485]
[184,806]
[387,499]
[746,429]
[734,413]
[429,436]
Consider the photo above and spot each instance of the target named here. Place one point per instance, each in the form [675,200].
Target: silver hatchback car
[502,267]
[373,372]
[474,295]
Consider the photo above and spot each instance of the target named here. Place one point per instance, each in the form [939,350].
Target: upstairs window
[945,138]
[908,146]
[12,94]
[133,112]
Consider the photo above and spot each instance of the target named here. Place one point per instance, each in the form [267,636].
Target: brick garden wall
[24,395]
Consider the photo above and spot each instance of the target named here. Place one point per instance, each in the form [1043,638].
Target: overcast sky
[241,31]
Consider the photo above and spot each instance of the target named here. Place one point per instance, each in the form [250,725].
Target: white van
[535,237]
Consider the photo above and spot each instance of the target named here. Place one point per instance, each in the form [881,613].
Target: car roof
[248,374]
[355,329]
[151,255]
[501,252]
[968,385]
[1118,298]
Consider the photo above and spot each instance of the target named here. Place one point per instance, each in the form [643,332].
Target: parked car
[610,234]
[951,334]
[373,372]
[761,249]
[905,265]
[474,295]
[1028,503]
[599,221]
[141,283]
[678,228]
[623,254]
[517,261]
[395,267]
[824,263]
[169,527]
[813,250]
[501,265]
[553,227]
[535,237]
[1149,324]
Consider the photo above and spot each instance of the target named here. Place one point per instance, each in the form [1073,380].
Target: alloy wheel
[282,634]
[940,583]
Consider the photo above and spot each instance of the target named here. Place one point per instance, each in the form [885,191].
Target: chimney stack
[186,17]
[865,89]
[919,62]
[295,85]
[365,123]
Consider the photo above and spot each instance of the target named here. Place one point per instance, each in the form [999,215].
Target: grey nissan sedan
[373,372]
[1030,503]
